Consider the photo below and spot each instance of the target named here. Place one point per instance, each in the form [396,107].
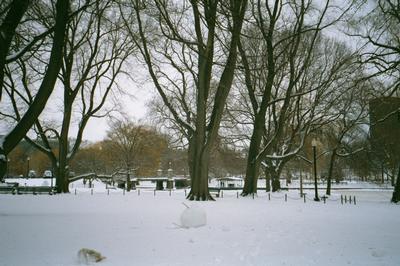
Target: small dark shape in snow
[87,256]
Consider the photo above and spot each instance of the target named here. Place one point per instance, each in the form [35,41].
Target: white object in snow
[193,217]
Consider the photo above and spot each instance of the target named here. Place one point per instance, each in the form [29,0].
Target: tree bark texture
[253,160]
[276,183]
[267,181]
[7,32]
[330,172]
[63,173]
[396,192]
[199,175]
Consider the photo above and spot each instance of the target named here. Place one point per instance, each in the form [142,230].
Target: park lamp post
[51,180]
[27,172]
[101,165]
[8,168]
[314,147]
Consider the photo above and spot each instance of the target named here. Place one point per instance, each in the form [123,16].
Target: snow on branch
[87,175]
[350,153]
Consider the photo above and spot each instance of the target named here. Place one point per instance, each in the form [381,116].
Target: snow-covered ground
[145,229]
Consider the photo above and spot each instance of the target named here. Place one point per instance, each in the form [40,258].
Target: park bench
[13,188]
[35,190]
[7,188]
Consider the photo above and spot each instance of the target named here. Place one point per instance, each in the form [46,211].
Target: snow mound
[193,216]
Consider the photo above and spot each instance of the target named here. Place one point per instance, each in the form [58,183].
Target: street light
[51,180]
[101,164]
[314,146]
[8,168]
[27,172]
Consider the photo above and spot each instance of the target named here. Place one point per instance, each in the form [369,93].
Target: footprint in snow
[378,253]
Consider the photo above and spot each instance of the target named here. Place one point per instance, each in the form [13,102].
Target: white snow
[193,216]
[140,229]
[34,182]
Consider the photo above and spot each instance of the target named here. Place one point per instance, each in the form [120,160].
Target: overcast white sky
[135,107]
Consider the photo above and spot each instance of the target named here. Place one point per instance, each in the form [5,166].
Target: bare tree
[93,58]
[343,131]
[194,29]
[46,87]
[378,31]
[282,80]
[134,146]
[126,140]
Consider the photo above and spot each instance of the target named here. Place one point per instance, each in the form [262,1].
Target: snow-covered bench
[6,188]
[12,188]
[35,190]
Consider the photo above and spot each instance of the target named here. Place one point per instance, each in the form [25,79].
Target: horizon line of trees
[152,150]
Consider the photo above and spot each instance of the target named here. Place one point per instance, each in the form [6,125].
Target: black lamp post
[314,146]
[51,181]
[8,168]
[27,172]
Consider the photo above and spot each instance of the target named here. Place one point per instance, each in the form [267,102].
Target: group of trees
[129,148]
[255,75]
[90,58]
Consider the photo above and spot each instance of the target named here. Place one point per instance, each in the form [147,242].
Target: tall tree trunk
[267,181]
[396,192]
[63,161]
[252,172]
[276,183]
[393,176]
[59,179]
[3,163]
[66,181]
[62,174]
[191,156]
[330,172]
[253,161]
[128,179]
[199,177]
[199,163]
[128,182]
